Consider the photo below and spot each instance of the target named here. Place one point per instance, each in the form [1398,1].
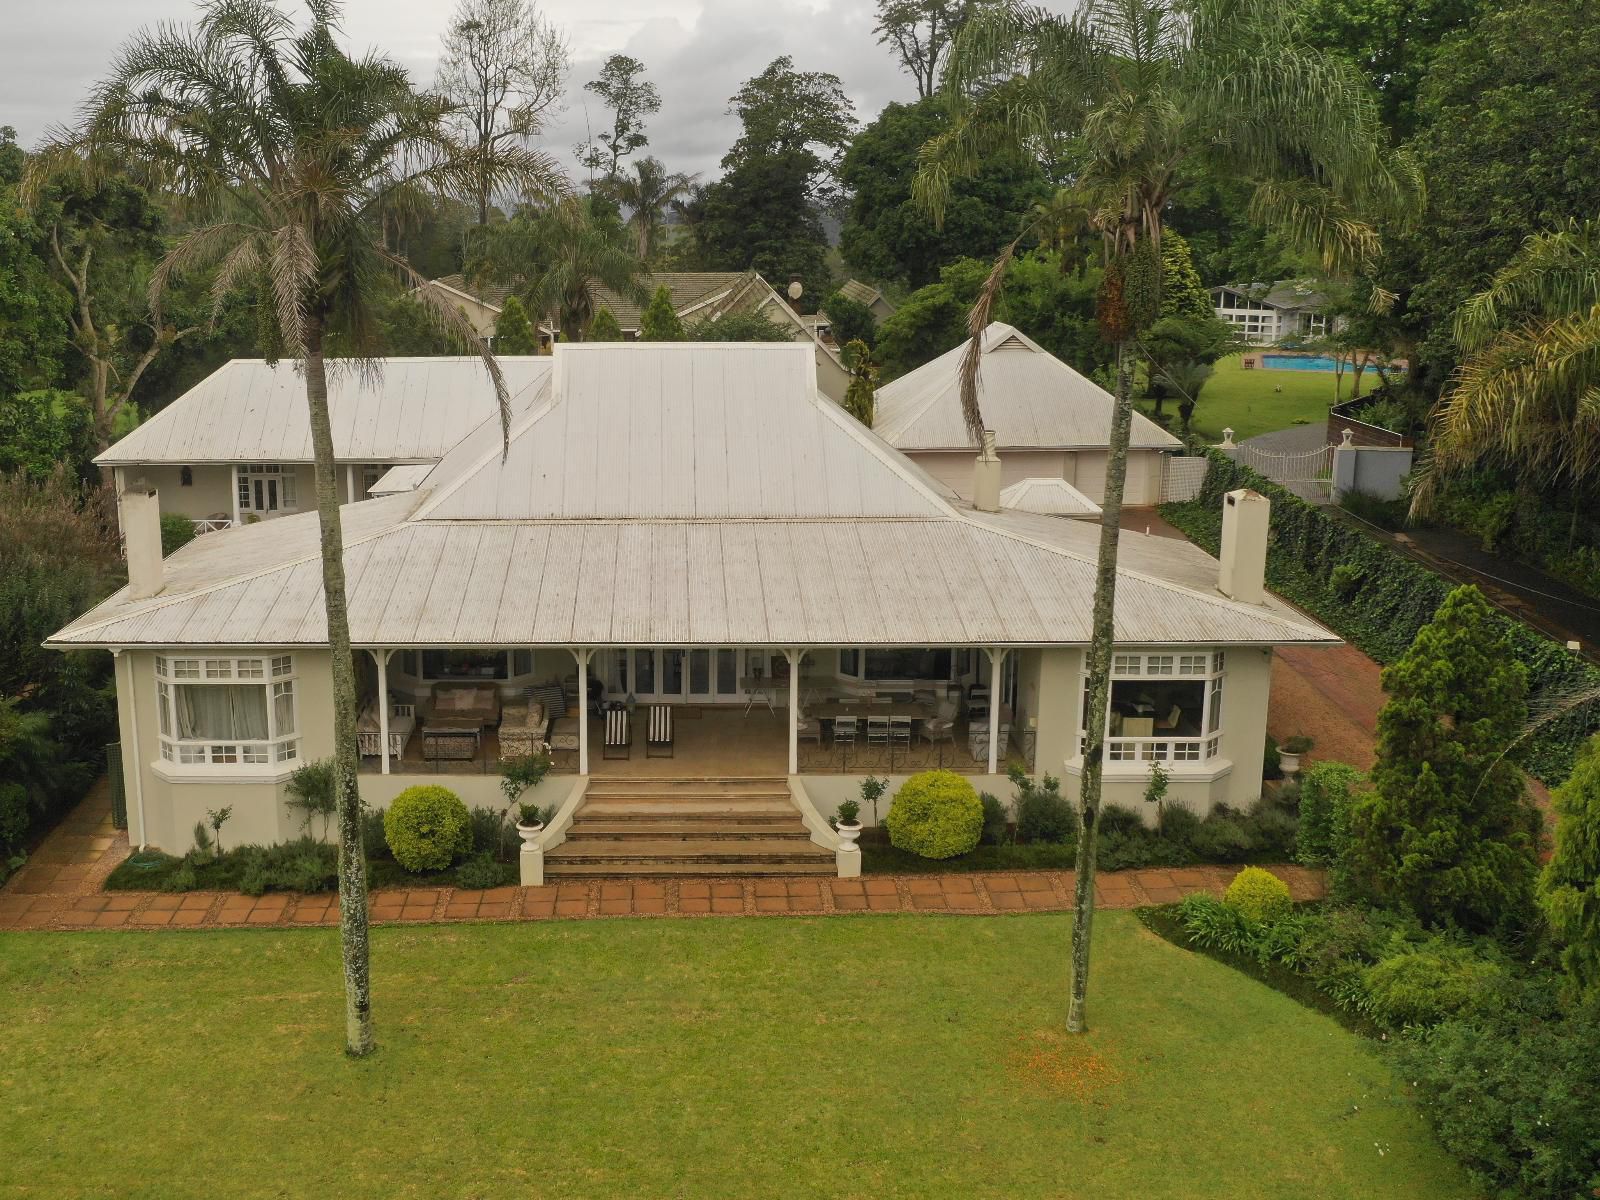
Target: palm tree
[1131,100]
[1527,392]
[647,195]
[288,154]
[555,256]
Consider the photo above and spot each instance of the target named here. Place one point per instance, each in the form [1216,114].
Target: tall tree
[887,236]
[1569,885]
[1447,830]
[860,398]
[502,67]
[659,321]
[920,31]
[33,309]
[631,98]
[647,194]
[1527,393]
[1130,91]
[556,256]
[785,112]
[513,332]
[288,151]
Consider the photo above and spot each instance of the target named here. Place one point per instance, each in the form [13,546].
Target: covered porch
[698,711]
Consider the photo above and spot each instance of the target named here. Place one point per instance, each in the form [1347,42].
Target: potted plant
[530,822]
[1289,753]
[849,829]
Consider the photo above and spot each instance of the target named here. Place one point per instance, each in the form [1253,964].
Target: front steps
[642,828]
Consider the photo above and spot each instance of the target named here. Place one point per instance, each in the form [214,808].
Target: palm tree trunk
[352,855]
[1105,596]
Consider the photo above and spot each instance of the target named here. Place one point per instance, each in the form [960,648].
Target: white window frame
[1179,665]
[275,673]
[288,491]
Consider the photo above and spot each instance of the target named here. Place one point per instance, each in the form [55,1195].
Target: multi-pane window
[226,711]
[1165,707]
[266,488]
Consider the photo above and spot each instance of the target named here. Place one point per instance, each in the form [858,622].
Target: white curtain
[222,712]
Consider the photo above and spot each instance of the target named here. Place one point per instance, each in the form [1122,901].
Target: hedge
[1380,599]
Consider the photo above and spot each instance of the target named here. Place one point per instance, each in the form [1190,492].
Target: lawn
[868,1056]
[1245,401]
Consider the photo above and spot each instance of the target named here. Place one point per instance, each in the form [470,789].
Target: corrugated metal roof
[407,477]
[251,411]
[697,494]
[1050,496]
[1030,398]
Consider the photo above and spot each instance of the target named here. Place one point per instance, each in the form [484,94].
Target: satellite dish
[795,289]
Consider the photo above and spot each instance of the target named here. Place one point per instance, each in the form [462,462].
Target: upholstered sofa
[461,706]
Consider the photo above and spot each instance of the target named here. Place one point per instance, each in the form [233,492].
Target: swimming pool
[1302,362]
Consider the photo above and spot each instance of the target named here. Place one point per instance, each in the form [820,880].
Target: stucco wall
[210,493]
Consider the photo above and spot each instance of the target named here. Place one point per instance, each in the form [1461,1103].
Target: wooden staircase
[685,827]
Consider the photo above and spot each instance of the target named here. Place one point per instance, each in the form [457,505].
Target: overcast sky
[696,53]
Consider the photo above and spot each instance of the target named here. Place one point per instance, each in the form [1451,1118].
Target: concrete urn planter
[1289,762]
[529,832]
[848,833]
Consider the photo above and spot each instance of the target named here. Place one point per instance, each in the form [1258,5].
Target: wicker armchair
[524,729]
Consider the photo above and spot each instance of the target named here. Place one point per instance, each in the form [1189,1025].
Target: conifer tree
[605,327]
[659,322]
[513,332]
[1569,887]
[1447,830]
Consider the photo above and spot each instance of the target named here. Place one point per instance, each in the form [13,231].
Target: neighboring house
[694,531]
[236,447]
[1049,422]
[874,300]
[1263,314]
[696,296]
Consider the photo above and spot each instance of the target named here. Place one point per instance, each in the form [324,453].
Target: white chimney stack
[141,539]
[986,476]
[1242,571]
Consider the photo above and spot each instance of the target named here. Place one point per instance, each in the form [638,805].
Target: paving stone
[770,904]
[847,902]
[572,908]
[492,910]
[152,916]
[1002,883]
[650,905]
[880,887]
[727,890]
[694,889]
[725,904]
[1007,901]
[107,920]
[188,917]
[694,904]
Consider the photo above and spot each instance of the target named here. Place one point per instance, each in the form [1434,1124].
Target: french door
[265,489]
[703,675]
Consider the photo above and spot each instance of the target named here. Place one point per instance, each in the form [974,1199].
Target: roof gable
[1030,398]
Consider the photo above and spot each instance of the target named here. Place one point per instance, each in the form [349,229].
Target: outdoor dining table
[830,710]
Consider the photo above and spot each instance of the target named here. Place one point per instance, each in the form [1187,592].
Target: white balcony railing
[210,524]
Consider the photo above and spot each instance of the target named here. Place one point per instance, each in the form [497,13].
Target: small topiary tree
[1569,887]
[604,327]
[659,322]
[513,332]
[1327,789]
[426,827]
[935,814]
[1446,830]
[1258,895]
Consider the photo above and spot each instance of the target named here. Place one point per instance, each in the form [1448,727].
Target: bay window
[226,711]
[1166,707]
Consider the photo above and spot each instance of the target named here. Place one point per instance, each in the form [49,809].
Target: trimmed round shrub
[426,827]
[1258,895]
[936,814]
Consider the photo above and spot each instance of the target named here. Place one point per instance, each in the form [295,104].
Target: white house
[1265,314]
[684,549]
[1050,424]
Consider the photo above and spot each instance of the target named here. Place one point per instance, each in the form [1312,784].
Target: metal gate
[119,791]
[1308,475]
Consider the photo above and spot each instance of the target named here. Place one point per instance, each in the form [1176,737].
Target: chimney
[1241,574]
[986,476]
[141,539]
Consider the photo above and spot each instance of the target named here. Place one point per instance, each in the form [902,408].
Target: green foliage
[621,85]
[1569,885]
[852,321]
[1183,296]
[605,327]
[426,827]
[33,307]
[515,334]
[313,793]
[936,814]
[659,322]
[886,236]
[1042,814]
[1258,895]
[1426,986]
[44,431]
[996,824]
[1446,828]
[1327,792]
[860,396]
[177,531]
[738,327]
[1396,599]
[848,811]
[484,871]
[517,775]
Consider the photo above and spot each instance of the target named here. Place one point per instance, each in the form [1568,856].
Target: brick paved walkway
[60,888]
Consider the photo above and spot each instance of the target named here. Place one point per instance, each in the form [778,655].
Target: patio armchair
[523,730]
[369,728]
[658,738]
[808,729]
[619,734]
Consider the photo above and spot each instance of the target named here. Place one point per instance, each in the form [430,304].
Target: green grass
[1246,402]
[870,1056]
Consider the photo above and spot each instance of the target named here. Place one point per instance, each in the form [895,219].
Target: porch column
[233,489]
[794,656]
[381,657]
[582,654]
[350,483]
[997,658]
